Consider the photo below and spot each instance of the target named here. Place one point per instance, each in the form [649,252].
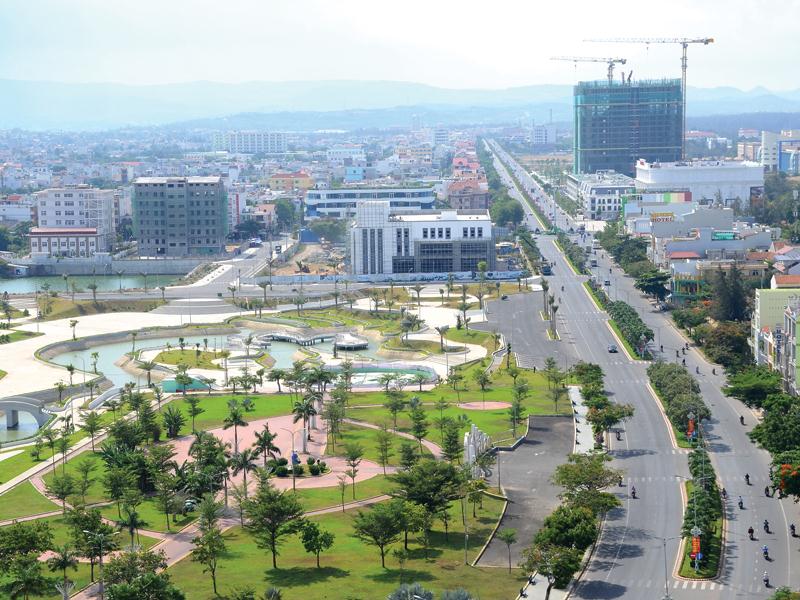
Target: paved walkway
[524,475]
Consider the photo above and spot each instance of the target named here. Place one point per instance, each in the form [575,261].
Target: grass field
[191,357]
[24,500]
[153,516]
[53,308]
[15,335]
[351,569]
[472,336]
[366,436]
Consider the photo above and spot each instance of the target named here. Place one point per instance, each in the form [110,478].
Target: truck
[546,268]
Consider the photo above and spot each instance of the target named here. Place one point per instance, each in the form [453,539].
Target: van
[593,262]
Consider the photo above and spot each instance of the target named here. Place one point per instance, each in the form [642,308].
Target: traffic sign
[699,556]
[692,555]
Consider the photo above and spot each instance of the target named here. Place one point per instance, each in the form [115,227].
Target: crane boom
[609,61]
[684,43]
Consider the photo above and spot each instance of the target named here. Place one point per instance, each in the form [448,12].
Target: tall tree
[316,540]
[272,515]
[380,526]
[208,549]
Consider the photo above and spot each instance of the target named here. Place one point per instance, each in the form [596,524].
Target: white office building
[384,242]
[542,135]
[78,206]
[342,202]
[726,181]
[250,142]
[600,194]
[345,153]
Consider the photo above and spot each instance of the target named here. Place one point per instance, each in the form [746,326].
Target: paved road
[525,476]
[733,455]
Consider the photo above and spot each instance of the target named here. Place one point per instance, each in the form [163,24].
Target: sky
[446,43]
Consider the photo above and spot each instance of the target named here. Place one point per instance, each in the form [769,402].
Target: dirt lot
[315,260]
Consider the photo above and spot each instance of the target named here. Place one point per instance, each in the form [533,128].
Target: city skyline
[426,43]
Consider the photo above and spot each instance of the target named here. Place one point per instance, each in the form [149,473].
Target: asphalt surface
[525,476]
[629,560]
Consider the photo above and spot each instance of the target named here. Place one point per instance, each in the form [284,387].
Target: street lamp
[664,541]
[291,432]
[101,537]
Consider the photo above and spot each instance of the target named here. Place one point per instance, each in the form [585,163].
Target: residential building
[250,142]
[384,241]
[180,216]
[236,208]
[728,182]
[774,144]
[264,215]
[81,207]
[286,182]
[123,205]
[440,136]
[750,151]
[66,241]
[342,202]
[769,307]
[709,243]
[543,135]
[345,154]
[601,193]
[616,124]
[16,208]
[467,194]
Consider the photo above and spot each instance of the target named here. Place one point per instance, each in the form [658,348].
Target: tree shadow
[596,590]
[393,576]
[296,576]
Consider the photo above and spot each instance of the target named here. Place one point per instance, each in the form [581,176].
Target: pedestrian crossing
[684,584]
[527,361]
[727,481]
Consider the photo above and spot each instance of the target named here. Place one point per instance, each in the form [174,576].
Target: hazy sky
[468,43]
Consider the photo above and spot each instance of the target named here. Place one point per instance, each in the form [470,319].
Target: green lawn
[194,359]
[366,436]
[317,498]
[351,569]
[472,336]
[24,500]
[152,515]
[216,409]
[412,345]
[95,492]
[15,335]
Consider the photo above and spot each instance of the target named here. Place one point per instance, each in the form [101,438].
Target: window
[472,232]
[480,232]
[440,236]
[447,233]
[425,233]
[464,232]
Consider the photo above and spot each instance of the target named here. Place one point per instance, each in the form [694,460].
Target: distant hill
[302,105]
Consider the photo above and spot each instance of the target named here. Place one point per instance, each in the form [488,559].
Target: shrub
[311,460]
[314,469]
[282,462]
[298,470]
[282,471]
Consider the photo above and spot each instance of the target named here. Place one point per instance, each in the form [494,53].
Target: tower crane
[610,61]
[684,42]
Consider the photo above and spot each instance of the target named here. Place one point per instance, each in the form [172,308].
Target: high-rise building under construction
[618,123]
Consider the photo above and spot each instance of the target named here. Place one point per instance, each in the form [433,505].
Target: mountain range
[308,105]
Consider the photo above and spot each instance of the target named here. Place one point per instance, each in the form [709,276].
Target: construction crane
[610,61]
[684,42]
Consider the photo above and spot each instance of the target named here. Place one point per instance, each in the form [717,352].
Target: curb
[494,531]
[667,422]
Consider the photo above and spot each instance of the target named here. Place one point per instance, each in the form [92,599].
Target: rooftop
[63,231]
[698,164]
[151,180]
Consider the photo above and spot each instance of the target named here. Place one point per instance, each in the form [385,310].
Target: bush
[282,462]
[323,466]
[311,460]
[631,326]
[298,470]
[282,471]
[314,470]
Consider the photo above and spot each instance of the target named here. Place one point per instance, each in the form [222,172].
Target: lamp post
[100,537]
[291,432]
[664,541]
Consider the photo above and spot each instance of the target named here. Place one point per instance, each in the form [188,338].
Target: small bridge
[13,405]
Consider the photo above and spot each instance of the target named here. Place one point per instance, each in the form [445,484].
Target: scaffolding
[618,123]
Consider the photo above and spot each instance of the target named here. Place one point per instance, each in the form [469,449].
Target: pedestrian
[522,593]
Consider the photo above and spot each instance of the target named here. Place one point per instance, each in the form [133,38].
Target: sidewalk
[584,440]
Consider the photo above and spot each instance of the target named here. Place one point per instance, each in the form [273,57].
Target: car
[612,348]
[504,297]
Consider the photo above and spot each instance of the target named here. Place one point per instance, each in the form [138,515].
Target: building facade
[65,241]
[81,207]
[180,216]
[341,203]
[383,242]
[250,142]
[286,182]
[616,124]
[600,194]
[709,181]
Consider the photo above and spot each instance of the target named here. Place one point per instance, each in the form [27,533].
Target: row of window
[443,233]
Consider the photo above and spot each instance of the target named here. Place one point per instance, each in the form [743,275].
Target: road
[629,560]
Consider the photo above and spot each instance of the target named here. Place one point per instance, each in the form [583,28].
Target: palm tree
[147,366]
[26,579]
[60,387]
[304,409]
[93,286]
[95,358]
[442,331]
[63,558]
[418,289]
[264,443]
[545,289]
[73,323]
[235,419]
[163,293]
[553,311]
[144,276]
[91,385]
[133,341]
[277,375]
[71,370]
[243,462]
[132,522]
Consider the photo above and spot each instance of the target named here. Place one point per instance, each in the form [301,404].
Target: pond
[105,283]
